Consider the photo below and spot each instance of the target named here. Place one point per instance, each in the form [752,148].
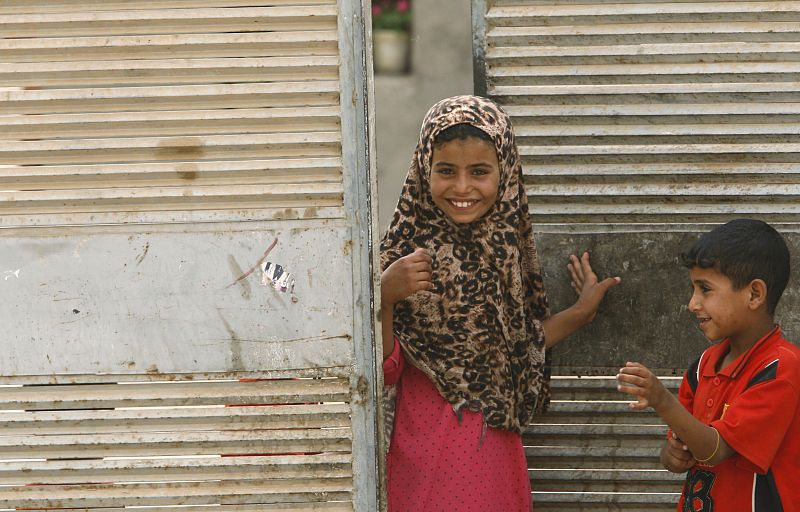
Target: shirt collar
[735,367]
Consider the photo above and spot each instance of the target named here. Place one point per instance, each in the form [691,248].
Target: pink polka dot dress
[436,464]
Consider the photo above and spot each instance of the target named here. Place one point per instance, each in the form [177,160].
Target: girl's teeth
[460,204]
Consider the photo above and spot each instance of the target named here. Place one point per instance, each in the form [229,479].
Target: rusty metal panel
[641,124]
[591,452]
[173,443]
[621,106]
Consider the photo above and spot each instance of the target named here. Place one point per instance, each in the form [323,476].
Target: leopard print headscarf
[478,334]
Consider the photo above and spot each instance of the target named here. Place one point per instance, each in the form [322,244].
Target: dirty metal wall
[641,125]
[186,255]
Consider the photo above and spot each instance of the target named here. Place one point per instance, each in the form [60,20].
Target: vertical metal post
[479,47]
[360,188]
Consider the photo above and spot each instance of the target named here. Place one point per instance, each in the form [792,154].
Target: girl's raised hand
[406,276]
[584,282]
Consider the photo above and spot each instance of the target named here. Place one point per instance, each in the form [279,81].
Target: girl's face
[465,178]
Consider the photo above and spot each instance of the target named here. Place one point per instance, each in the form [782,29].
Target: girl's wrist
[583,316]
[386,305]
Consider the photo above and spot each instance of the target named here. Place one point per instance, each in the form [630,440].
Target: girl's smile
[465,177]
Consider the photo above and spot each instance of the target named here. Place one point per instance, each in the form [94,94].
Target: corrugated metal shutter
[150,151]
[591,452]
[169,111]
[639,123]
[650,112]
[162,444]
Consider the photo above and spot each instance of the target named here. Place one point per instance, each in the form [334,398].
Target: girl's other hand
[406,276]
[584,282]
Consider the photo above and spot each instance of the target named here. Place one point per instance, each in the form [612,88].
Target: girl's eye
[480,172]
[443,170]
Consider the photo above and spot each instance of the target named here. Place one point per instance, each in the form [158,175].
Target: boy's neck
[745,340]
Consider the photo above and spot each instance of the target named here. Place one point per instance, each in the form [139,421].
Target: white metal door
[186,256]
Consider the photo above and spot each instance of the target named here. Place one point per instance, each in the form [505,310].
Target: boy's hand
[675,456]
[406,276]
[584,282]
[636,380]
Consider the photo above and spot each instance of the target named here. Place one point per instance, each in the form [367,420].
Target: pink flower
[376,10]
[403,5]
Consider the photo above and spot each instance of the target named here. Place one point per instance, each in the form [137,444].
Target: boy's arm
[675,456]
[704,442]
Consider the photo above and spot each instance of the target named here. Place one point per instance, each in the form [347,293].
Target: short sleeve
[685,397]
[757,420]
[393,365]
[686,394]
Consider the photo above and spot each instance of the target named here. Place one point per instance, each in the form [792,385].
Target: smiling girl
[465,317]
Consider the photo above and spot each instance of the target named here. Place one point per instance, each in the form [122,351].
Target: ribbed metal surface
[283,443]
[169,109]
[591,452]
[650,112]
[210,135]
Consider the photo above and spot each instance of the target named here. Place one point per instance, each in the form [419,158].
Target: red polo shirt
[754,404]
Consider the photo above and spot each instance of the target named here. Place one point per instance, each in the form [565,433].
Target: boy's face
[721,310]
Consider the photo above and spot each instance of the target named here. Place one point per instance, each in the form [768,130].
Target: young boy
[735,426]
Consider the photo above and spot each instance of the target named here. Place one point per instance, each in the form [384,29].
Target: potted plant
[391,27]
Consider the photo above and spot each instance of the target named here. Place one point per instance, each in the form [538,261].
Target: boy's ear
[758,293]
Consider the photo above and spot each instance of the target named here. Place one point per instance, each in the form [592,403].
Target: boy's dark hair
[743,250]
[461,131]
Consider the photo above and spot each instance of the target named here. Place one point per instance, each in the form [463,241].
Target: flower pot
[390,51]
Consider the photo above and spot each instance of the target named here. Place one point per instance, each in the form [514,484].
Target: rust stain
[286,213]
[360,396]
[152,370]
[348,246]
[181,147]
[186,172]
